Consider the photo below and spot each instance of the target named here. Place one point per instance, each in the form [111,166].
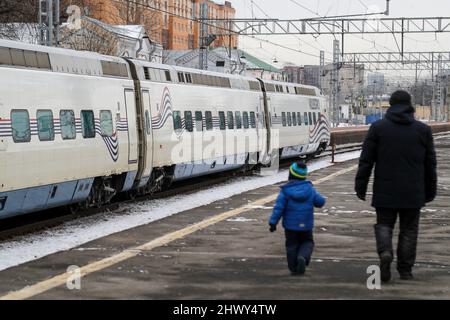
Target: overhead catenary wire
[229,31]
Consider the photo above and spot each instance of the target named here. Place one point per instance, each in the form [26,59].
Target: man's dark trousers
[298,243]
[407,239]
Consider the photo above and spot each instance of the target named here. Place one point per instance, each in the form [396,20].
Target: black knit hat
[400,97]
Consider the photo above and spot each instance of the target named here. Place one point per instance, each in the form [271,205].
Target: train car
[78,128]
[298,118]
[67,128]
[201,122]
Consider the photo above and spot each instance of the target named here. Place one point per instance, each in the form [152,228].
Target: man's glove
[273,227]
[361,196]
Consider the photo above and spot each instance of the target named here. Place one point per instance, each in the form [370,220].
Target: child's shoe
[301,265]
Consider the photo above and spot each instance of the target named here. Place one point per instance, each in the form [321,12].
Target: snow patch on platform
[75,233]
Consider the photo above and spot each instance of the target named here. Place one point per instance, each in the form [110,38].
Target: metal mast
[335,83]
[49,21]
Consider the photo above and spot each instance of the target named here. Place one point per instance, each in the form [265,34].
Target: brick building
[169,22]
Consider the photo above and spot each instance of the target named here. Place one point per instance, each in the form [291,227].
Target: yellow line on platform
[61,279]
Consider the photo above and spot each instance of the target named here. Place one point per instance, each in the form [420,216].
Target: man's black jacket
[402,150]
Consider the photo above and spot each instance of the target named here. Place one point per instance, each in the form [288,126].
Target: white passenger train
[78,128]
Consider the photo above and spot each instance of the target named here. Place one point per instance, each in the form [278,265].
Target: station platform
[224,251]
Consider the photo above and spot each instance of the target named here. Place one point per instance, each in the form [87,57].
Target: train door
[148,133]
[130,107]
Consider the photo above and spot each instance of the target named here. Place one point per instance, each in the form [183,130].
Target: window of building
[245,120]
[230,120]
[222,121]
[46,129]
[20,123]
[198,121]
[252,120]
[87,124]
[188,121]
[147,122]
[283,119]
[68,128]
[299,118]
[238,120]
[209,120]
[106,123]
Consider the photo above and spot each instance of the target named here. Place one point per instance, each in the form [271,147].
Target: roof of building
[252,62]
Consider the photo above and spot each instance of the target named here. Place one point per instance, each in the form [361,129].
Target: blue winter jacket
[295,204]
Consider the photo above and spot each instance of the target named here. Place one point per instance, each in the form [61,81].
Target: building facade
[169,22]
[294,74]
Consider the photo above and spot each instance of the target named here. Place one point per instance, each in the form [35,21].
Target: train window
[294,119]
[30,59]
[188,78]
[188,121]
[283,119]
[177,120]
[146,74]
[310,118]
[5,56]
[198,121]
[315,118]
[238,120]
[299,118]
[168,77]
[18,57]
[180,77]
[270,87]
[147,122]
[318,116]
[222,121]
[43,60]
[20,123]
[88,124]
[305,118]
[46,130]
[252,120]
[245,120]
[209,120]
[106,123]
[67,122]
[289,119]
[230,120]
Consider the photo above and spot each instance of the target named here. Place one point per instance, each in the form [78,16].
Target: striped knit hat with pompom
[298,170]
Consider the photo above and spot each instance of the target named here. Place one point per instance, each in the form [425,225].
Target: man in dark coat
[402,150]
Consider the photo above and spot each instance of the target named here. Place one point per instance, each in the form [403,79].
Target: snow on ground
[75,233]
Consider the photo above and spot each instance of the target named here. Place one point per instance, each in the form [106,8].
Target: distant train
[78,128]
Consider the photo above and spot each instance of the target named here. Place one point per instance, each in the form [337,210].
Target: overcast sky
[312,8]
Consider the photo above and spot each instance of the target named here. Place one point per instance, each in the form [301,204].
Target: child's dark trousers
[298,243]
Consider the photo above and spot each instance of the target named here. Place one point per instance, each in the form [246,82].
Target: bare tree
[18,20]
[141,12]
[90,37]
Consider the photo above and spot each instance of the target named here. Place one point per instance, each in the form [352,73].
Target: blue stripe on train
[13,203]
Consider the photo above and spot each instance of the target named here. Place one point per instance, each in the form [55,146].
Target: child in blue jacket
[295,204]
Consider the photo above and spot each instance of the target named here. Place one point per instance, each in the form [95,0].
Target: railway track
[40,221]
[43,220]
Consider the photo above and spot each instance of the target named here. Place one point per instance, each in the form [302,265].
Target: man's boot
[383,235]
